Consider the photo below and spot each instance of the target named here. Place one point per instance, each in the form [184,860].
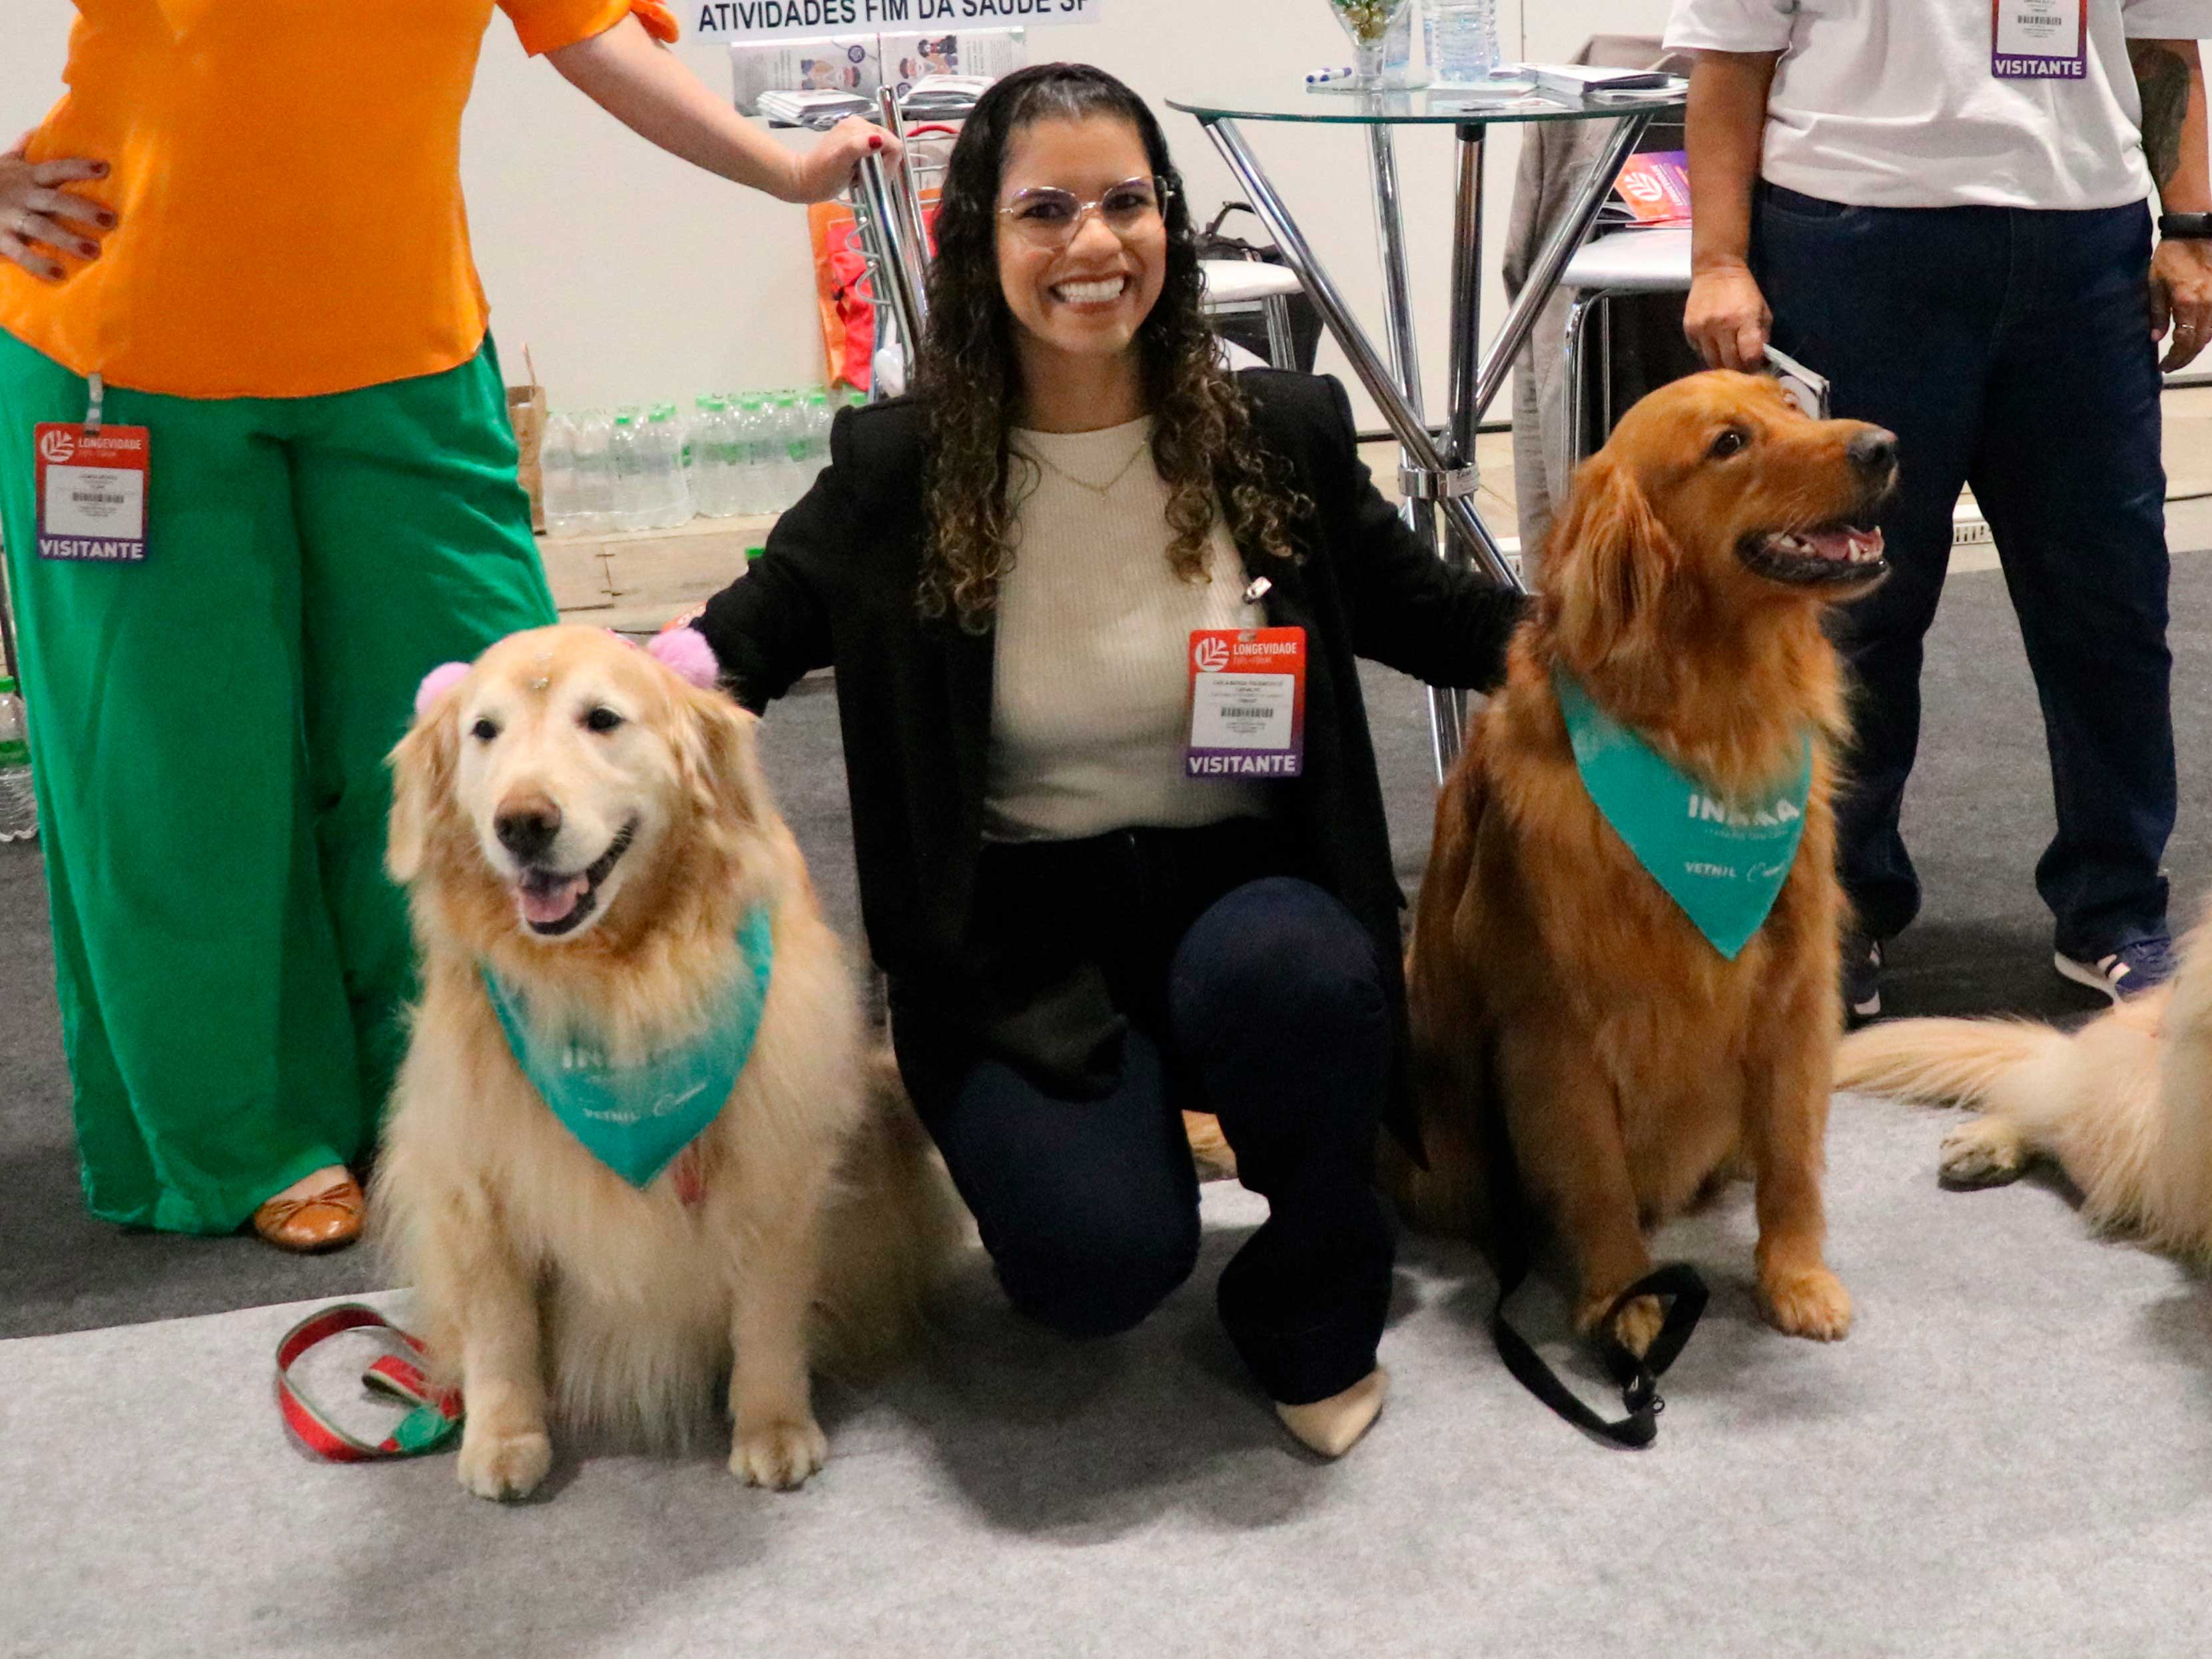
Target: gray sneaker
[2127,972]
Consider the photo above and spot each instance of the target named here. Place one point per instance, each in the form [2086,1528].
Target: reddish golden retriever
[1552,978]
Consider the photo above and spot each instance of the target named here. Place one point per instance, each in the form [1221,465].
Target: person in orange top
[241,230]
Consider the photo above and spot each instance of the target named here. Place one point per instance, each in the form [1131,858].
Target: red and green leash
[435,1419]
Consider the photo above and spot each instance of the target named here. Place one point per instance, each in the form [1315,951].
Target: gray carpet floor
[1978,815]
[2009,1457]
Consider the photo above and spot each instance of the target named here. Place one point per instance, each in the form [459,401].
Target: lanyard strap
[435,1420]
[1677,1283]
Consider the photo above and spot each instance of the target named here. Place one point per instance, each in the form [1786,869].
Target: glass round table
[1438,479]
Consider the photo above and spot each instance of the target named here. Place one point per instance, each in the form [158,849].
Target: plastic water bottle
[772,460]
[717,459]
[755,424]
[19,808]
[557,460]
[790,426]
[1463,40]
[742,487]
[681,428]
[626,450]
[819,419]
[667,496]
[738,449]
[772,468]
[594,472]
[700,472]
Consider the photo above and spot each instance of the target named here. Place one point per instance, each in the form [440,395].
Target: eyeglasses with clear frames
[1047,216]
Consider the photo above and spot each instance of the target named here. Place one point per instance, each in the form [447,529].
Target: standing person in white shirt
[1943,202]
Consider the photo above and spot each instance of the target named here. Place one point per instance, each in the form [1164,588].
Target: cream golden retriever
[2124,1105]
[1556,992]
[573,817]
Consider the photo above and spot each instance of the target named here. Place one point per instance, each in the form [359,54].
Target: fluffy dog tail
[894,1227]
[1945,1062]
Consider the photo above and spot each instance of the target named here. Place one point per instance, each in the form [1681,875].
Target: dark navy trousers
[1272,1015]
[2008,349]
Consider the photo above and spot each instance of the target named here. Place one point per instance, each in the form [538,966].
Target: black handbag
[1250,330]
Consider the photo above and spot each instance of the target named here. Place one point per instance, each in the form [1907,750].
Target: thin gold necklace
[1100,490]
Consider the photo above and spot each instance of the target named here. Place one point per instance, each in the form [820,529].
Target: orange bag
[842,290]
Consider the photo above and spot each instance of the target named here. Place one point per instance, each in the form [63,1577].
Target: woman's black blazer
[835,587]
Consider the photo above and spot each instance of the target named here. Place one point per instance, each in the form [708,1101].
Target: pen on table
[1319,76]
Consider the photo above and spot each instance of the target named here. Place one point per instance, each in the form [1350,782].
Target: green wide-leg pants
[209,730]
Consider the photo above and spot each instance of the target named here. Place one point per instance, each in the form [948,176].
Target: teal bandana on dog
[635,1119]
[1724,865]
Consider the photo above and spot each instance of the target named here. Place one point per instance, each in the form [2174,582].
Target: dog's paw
[1811,1302]
[779,1456]
[1635,1328]
[504,1465]
[1983,1152]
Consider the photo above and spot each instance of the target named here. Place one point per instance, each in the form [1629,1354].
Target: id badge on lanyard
[2039,40]
[1248,703]
[92,482]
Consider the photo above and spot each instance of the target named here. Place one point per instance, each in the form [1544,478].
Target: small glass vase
[1368,22]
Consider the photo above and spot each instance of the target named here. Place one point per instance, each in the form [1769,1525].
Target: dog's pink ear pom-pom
[685,651]
[435,683]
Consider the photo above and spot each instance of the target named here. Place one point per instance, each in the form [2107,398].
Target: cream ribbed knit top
[1090,707]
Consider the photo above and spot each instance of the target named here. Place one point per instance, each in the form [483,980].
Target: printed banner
[794,19]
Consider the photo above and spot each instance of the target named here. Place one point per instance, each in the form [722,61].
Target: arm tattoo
[2163,78]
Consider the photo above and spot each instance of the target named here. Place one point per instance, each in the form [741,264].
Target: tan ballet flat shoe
[327,1220]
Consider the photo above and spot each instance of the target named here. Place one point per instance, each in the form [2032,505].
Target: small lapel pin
[1258,591]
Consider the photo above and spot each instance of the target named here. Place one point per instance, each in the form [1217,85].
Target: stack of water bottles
[19,811]
[744,455]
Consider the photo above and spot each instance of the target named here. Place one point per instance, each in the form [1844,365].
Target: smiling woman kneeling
[1099,893]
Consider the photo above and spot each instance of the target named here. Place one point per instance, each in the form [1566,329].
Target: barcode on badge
[1247,713]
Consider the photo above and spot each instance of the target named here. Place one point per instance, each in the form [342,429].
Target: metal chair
[1626,262]
[1236,286]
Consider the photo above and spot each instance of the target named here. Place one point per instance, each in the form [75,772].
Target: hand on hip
[40,219]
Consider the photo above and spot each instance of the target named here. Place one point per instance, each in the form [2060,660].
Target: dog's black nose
[1874,451]
[526,827]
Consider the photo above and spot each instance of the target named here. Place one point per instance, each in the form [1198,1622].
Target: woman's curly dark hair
[968,379]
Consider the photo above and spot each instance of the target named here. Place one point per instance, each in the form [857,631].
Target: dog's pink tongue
[1844,543]
[551,904]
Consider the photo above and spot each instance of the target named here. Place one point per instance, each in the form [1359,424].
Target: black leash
[1677,1283]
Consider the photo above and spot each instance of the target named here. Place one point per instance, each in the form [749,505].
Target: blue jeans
[2009,349]
[1276,1020]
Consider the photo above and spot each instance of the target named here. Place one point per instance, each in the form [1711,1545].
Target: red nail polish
[875,143]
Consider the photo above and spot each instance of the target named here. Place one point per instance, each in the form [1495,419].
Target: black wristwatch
[2186,227]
